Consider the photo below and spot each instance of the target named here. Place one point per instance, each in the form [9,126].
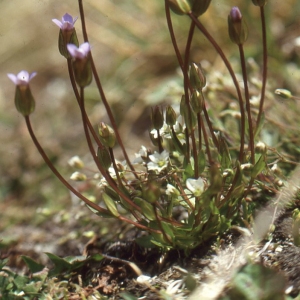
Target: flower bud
[67,34]
[197,77]
[157,118]
[260,148]
[151,192]
[180,7]
[107,135]
[259,2]
[81,63]
[200,7]
[237,28]
[76,162]
[188,114]
[77,176]
[104,157]
[24,100]
[197,101]
[285,94]
[170,116]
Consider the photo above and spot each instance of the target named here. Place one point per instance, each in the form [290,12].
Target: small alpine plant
[199,178]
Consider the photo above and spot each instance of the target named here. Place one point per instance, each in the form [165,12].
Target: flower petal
[22,78]
[13,78]
[58,23]
[85,47]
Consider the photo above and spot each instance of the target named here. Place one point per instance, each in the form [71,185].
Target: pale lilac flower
[159,161]
[67,22]
[196,186]
[81,52]
[22,78]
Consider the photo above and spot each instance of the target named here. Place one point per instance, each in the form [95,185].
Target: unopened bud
[157,118]
[170,116]
[107,135]
[237,28]
[261,148]
[197,101]
[77,176]
[180,7]
[200,7]
[197,77]
[151,192]
[104,157]
[76,162]
[283,93]
[188,114]
[259,2]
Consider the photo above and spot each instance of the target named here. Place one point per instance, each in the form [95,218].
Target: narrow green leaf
[111,205]
[32,264]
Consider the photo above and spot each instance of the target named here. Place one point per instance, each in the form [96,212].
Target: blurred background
[138,69]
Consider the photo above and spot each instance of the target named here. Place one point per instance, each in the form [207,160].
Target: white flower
[121,168]
[196,186]
[159,161]
[171,190]
[162,131]
[139,156]
[76,162]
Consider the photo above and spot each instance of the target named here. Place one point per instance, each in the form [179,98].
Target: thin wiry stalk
[73,83]
[247,98]
[56,173]
[102,94]
[265,65]
[234,79]
[109,180]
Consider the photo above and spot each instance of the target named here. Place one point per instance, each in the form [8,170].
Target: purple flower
[22,78]
[67,22]
[81,52]
[235,14]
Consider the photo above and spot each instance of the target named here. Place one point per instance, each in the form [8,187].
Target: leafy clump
[207,169]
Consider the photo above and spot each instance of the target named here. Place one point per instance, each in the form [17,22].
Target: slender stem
[74,86]
[265,65]
[171,30]
[187,95]
[206,143]
[182,192]
[247,98]
[109,180]
[111,153]
[56,173]
[199,131]
[160,226]
[234,79]
[210,127]
[101,92]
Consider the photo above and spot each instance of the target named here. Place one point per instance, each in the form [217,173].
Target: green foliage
[206,167]
[41,282]
[256,282]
